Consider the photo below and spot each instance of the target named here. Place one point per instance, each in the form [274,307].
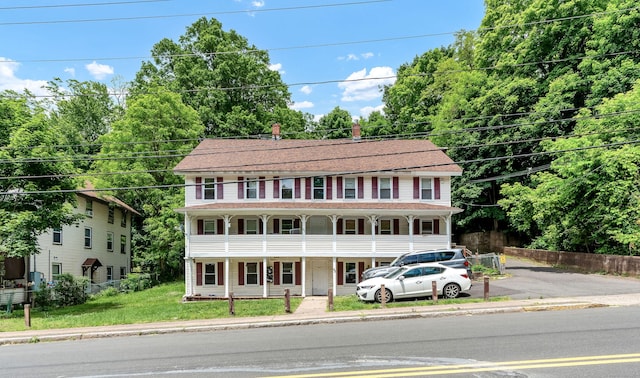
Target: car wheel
[388,296]
[451,290]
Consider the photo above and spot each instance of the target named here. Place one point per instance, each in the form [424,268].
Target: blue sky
[318,46]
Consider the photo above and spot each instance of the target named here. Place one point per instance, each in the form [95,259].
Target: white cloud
[9,81]
[70,71]
[367,110]
[367,55]
[306,89]
[360,86]
[277,67]
[99,71]
[301,105]
[352,57]
[257,3]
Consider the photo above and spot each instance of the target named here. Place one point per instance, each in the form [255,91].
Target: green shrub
[69,290]
[43,297]
[136,282]
[108,292]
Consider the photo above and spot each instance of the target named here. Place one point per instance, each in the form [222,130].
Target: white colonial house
[99,247]
[266,215]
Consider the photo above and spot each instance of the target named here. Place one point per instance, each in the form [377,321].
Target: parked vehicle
[414,281]
[450,257]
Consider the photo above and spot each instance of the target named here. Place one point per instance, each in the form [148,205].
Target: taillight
[464,275]
[466,263]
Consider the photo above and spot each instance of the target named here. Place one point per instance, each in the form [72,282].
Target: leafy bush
[69,290]
[136,282]
[108,292]
[44,296]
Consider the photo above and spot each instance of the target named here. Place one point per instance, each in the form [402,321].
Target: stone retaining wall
[588,262]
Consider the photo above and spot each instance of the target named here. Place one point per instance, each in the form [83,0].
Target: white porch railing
[311,245]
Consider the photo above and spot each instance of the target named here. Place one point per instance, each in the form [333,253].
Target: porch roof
[320,208]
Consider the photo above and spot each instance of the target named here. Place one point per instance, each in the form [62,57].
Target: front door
[319,277]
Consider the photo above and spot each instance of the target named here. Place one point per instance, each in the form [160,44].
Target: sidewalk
[313,310]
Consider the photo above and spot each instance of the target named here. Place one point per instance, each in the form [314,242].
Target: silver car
[453,257]
[415,281]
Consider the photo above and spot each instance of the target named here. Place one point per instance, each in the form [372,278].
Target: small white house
[266,215]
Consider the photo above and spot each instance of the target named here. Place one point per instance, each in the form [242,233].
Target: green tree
[36,191]
[220,75]
[335,125]
[156,132]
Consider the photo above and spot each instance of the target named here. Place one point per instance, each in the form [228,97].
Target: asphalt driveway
[527,279]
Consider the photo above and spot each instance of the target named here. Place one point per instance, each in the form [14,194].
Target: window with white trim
[426,188]
[251,273]
[87,237]
[318,187]
[88,208]
[209,274]
[209,226]
[109,273]
[56,270]
[350,188]
[287,273]
[109,241]
[251,188]
[251,226]
[350,273]
[384,188]
[110,215]
[286,188]
[426,227]
[57,235]
[384,227]
[209,186]
[286,225]
[350,226]
[123,244]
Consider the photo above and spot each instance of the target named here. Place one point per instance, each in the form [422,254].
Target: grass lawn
[158,304]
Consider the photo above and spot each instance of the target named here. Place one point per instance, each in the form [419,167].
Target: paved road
[530,280]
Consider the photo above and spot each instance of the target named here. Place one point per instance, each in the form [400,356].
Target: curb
[329,318]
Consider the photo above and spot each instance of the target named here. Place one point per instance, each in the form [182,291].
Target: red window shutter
[360,270]
[260,226]
[261,273]
[329,185]
[396,187]
[297,187]
[200,227]
[198,187]
[276,226]
[240,187]
[296,223]
[416,187]
[262,186]
[340,273]
[416,226]
[220,188]
[276,273]
[307,188]
[276,187]
[220,227]
[339,187]
[360,226]
[436,226]
[240,226]
[298,273]
[198,274]
[360,187]
[339,226]
[374,187]
[220,273]
[241,273]
[396,226]
[436,187]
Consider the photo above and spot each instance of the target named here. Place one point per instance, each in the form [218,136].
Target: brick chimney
[355,131]
[275,131]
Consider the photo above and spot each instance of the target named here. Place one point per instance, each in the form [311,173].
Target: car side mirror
[401,278]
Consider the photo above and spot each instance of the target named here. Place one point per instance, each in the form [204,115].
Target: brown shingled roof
[325,156]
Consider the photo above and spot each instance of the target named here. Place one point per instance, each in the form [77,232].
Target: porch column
[448,222]
[410,219]
[373,220]
[265,292]
[303,221]
[227,265]
[188,263]
[265,219]
[335,274]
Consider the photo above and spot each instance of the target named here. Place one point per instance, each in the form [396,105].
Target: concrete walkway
[313,310]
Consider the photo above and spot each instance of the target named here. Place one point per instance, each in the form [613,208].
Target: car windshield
[395,273]
[396,262]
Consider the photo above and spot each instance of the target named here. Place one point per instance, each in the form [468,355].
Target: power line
[20,7]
